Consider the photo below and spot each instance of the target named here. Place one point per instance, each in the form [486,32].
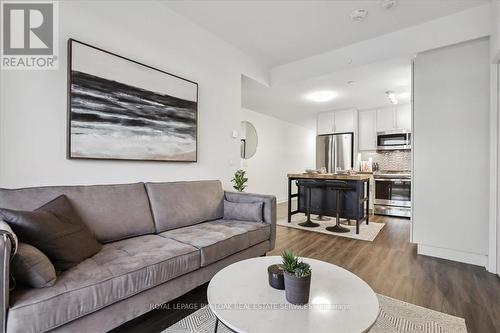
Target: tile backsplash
[390,160]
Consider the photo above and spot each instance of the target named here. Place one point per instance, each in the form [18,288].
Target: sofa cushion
[250,212]
[56,230]
[112,212]
[32,268]
[120,270]
[180,204]
[222,238]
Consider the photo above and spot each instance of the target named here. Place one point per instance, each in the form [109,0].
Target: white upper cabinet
[336,122]
[368,130]
[394,118]
[344,121]
[386,119]
[325,122]
[403,117]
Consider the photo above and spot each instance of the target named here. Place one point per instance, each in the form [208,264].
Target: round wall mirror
[248,140]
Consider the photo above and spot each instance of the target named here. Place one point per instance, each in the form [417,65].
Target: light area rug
[366,232]
[395,317]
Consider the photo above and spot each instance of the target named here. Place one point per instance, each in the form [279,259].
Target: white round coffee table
[241,298]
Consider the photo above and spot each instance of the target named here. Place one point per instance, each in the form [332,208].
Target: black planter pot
[297,288]
[276,279]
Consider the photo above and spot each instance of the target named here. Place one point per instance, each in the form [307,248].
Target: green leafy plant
[293,266]
[239,180]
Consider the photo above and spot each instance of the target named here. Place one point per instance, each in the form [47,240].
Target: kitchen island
[355,203]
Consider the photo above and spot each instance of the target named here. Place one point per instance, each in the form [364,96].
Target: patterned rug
[366,232]
[395,317]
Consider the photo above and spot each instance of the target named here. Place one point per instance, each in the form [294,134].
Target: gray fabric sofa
[161,240]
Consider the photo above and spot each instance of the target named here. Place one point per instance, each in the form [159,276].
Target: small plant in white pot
[297,278]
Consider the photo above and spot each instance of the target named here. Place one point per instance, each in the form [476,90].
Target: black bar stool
[340,187]
[308,185]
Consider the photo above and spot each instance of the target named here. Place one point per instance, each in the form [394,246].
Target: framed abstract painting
[120,109]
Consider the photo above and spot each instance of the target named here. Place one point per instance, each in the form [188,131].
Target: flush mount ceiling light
[391,96]
[358,15]
[321,96]
[388,4]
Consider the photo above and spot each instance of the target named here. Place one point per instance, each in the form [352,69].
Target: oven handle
[392,180]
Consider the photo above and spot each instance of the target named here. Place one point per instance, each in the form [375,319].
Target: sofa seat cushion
[221,238]
[120,270]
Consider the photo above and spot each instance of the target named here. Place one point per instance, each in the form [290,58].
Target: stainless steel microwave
[394,140]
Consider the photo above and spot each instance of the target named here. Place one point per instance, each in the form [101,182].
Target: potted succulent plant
[297,278]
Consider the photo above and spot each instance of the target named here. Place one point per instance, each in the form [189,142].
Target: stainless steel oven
[394,140]
[393,193]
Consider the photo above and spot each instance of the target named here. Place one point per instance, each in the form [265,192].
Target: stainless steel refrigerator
[335,152]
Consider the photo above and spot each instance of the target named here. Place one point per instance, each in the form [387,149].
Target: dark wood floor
[389,265]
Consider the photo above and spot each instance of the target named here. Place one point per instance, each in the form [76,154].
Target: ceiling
[276,32]
[371,81]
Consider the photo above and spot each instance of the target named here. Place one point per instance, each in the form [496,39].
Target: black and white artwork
[122,109]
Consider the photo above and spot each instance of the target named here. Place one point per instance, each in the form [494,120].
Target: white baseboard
[465,257]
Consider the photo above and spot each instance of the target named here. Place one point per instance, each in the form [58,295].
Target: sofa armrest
[269,213]
[8,245]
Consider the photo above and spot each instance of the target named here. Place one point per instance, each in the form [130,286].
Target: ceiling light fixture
[391,96]
[358,15]
[321,96]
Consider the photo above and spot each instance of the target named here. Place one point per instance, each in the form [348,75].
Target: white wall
[494,230]
[495,30]
[495,139]
[495,191]
[282,148]
[33,103]
[451,152]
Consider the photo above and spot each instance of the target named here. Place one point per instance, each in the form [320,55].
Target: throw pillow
[243,211]
[56,230]
[32,268]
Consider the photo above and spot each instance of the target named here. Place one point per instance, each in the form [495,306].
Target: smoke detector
[358,15]
[388,4]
